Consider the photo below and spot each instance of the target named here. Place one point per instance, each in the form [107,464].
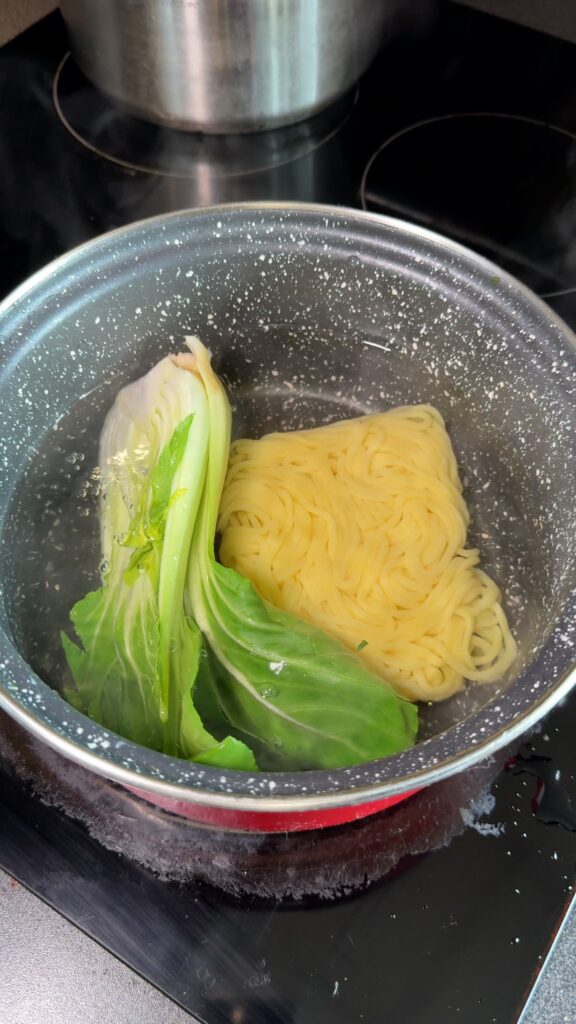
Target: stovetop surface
[456,933]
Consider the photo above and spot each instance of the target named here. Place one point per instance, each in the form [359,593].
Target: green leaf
[149,524]
[114,666]
[303,700]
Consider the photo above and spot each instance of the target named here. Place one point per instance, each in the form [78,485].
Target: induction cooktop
[443,908]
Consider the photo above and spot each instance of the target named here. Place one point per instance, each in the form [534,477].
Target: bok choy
[178,652]
[137,660]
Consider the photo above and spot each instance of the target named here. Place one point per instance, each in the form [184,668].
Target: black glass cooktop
[443,908]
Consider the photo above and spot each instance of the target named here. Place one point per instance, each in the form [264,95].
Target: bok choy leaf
[299,697]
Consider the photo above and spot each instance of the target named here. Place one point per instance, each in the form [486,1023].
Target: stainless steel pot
[225,65]
[312,313]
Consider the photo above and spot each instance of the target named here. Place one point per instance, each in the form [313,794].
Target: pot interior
[310,319]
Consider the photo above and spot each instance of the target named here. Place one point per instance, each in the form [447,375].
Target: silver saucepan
[231,65]
[312,313]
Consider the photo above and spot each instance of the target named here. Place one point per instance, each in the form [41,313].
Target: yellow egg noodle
[360,528]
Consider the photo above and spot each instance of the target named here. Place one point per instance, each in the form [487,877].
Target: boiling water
[52,530]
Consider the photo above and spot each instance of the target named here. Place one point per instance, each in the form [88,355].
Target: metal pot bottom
[255,821]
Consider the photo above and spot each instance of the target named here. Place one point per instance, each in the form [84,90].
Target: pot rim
[278,791]
[269,803]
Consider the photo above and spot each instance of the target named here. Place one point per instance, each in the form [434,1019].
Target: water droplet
[268,692]
[173,646]
[104,567]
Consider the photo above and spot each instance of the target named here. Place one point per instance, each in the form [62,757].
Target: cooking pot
[313,314]
[226,66]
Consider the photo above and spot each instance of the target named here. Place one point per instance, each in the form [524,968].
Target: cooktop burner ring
[550,274]
[241,154]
